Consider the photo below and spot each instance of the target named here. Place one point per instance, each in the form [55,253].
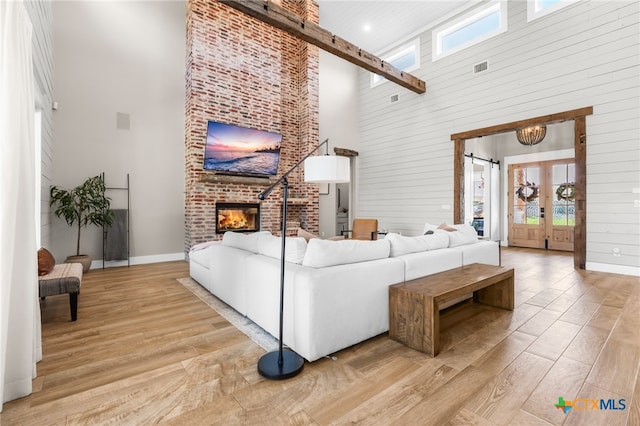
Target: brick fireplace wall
[244,72]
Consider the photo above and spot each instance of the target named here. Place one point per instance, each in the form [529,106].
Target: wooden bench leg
[499,294]
[73,304]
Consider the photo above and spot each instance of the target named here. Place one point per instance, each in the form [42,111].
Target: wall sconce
[531,135]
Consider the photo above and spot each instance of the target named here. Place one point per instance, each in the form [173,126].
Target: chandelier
[531,135]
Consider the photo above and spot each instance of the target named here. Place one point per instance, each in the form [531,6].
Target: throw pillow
[46,261]
[467,229]
[447,227]
[306,235]
[460,239]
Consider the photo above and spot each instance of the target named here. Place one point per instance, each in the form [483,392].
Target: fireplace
[243,217]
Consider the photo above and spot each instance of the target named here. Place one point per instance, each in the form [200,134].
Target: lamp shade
[327,169]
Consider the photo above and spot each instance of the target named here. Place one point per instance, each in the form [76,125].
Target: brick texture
[244,72]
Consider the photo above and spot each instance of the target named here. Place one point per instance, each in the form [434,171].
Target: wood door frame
[580,146]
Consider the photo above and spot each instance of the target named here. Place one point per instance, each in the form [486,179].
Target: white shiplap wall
[583,55]
[41,15]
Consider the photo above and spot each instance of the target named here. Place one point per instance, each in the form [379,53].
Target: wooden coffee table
[414,306]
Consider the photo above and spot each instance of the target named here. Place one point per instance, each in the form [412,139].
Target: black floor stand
[270,367]
[280,364]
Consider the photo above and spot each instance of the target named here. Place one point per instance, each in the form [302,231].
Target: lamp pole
[281,364]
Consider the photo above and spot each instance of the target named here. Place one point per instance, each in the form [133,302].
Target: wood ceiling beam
[312,33]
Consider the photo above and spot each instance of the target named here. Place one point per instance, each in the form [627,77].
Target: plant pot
[84,259]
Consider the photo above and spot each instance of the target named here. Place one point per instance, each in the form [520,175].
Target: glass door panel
[542,204]
[525,211]
[560,228]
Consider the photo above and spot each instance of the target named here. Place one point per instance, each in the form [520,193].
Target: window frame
[478,13]
[412,46]
[533,13]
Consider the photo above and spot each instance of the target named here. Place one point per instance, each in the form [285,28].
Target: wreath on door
[566,192]
[527,192]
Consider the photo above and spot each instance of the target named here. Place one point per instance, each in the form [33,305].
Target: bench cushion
[64,278]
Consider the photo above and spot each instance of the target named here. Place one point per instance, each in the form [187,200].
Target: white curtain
[19,314]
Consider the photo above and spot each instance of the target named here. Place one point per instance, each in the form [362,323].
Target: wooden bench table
[414,306]
[63,278]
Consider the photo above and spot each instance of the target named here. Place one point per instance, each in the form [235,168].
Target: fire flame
[232,219]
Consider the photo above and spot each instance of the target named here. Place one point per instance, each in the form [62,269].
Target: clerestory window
[472,28]
[405,58]
[539,8]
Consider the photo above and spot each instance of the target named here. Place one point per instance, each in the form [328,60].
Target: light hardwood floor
[145,350]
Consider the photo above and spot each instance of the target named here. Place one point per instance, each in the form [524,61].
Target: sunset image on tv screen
[241,150]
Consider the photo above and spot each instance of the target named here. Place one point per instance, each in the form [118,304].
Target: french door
[542,204]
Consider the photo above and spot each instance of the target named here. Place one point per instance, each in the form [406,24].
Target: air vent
[394,98]
[482,66]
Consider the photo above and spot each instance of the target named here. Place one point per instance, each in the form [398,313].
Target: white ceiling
[389,20]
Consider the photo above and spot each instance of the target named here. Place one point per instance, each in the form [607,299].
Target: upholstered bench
[63,278]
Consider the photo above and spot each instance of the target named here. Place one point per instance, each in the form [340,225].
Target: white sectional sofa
[336,292]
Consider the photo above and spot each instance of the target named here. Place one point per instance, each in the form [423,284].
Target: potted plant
[83,205]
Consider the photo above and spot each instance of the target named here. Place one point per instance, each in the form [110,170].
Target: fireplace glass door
[240,217]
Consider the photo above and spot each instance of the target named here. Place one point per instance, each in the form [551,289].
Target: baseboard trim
[139,260]
[613,269]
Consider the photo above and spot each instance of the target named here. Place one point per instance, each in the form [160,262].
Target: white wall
[338,122]
[122,57]
[583,55]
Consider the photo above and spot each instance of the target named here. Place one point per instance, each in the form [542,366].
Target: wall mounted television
[237,150]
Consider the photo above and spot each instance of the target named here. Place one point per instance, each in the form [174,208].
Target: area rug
[242,323]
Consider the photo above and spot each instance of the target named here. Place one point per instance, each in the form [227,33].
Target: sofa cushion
[321,253]
[466,235]
[459,239]
[430,262]
[429,227]
[467,229]
[482,251]
[247,242]
[271,246]
[202,246]
[200,253]
[404,245]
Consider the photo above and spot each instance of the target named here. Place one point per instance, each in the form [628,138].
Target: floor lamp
[281,364]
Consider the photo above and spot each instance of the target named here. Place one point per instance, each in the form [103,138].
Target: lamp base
[268,366]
